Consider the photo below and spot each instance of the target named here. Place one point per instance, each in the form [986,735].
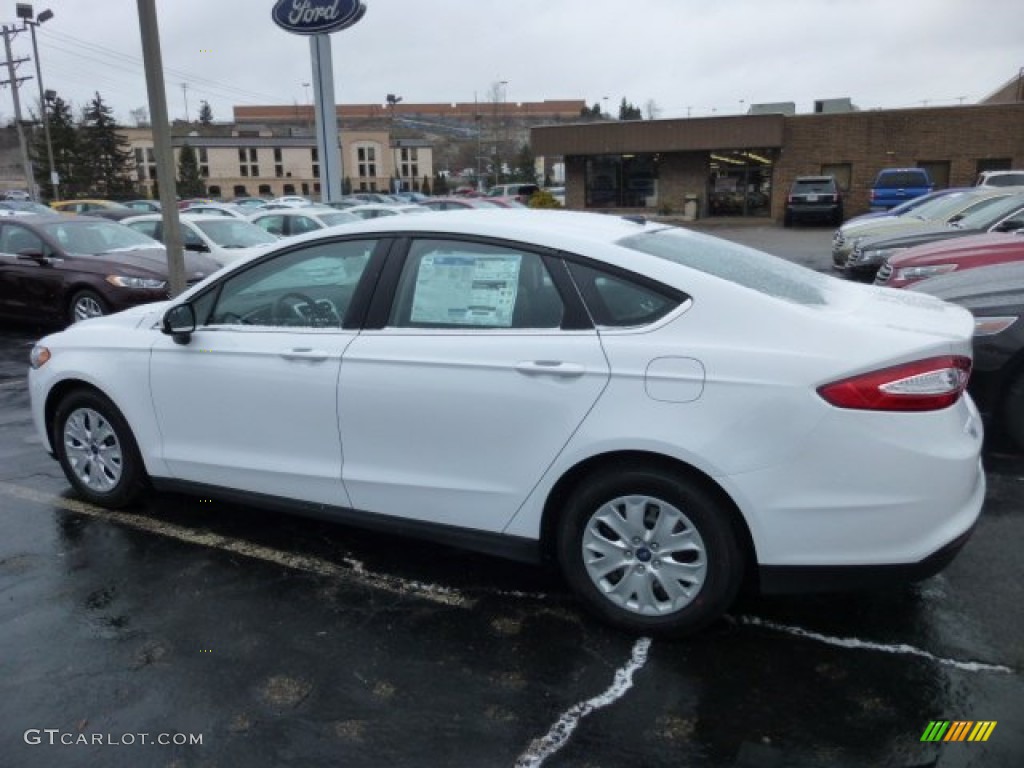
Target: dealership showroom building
[743,165]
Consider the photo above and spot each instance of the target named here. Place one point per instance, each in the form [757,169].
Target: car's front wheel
[97,450]
[85,304]
[650,551]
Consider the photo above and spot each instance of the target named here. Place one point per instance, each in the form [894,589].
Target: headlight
[990,326]
[39,356]
[878,256]
[919,273]
[135,282]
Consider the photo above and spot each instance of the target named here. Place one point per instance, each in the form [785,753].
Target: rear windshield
[901,179]
[738,264]
[813,185]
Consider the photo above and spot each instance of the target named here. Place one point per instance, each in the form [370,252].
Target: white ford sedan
[663,414]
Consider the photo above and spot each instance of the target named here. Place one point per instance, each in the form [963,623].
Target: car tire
[1011,410]
[650,551]
[97,451]
[85,304]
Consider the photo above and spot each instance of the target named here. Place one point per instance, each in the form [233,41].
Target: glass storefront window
[622,181]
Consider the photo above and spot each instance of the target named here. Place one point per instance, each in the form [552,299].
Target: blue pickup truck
[897,185]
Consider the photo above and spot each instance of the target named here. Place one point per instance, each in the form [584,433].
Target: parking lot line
[349,569]
[855,643]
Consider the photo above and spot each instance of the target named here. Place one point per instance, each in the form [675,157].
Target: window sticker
[467,290]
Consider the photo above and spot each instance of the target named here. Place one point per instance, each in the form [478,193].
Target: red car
[944,256]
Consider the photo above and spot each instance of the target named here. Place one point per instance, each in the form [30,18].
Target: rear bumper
[797,579]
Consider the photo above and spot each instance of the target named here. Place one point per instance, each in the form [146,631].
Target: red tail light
[924,385]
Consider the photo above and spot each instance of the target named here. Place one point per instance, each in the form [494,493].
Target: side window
[147,228]
[303,224]
[307,288]
[457,284]
[191,240]
[617,302]
[15,239]
[272,224]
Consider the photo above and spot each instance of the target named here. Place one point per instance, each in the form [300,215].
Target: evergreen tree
[440,185]
[205,113]
[425,185]
[190,183]
[105,155]
[629,111]
[525,161]
[346,186]
[66,152]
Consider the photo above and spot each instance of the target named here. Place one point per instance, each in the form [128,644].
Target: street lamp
[42,18]
[392,103]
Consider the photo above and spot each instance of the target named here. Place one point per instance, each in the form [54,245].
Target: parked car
[460,203]
[224,239]
[59,270]
[559,194]
[378,210]
[143,206]
[893,186]
[90,206]
[294,201]
[250,204]
[1005,214]
[660,412]
[1000,179]
[947,209]
[27,206]
[16,194]
[950,255]
[521,192]
[814,198]
[288,222]
[995,296]
[217,209]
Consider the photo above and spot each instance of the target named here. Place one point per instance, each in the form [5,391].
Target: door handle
[550,368]
[306,354]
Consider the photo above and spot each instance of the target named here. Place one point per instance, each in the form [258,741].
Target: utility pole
[8,33]
[153,62]
[184,92]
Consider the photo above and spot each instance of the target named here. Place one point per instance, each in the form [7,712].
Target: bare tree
[140,116]
[651,110]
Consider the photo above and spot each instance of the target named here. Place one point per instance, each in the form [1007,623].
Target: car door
[31,279]
[469,386]
[251,402]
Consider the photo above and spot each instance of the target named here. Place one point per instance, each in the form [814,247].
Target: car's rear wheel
[85,304]
[97,450]
[650,551]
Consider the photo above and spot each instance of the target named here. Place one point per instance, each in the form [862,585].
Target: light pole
[396,173]
[42,18]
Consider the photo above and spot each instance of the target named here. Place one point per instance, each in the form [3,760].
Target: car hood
[928,233]
[995,245]
[981,289]
[154,261]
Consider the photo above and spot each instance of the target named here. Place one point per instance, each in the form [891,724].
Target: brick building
[744,164]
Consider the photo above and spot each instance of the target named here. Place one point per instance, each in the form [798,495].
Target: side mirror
[30,254]
[180,323]
[197,247]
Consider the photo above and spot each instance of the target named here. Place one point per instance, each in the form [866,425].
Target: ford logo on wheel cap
[316,17]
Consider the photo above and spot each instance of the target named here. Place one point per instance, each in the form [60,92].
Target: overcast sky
[699,57]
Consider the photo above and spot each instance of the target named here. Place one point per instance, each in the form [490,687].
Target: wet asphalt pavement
[281,641]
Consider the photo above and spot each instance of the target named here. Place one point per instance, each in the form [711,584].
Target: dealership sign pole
[318,19]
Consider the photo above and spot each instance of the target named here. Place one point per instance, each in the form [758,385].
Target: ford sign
[317,17]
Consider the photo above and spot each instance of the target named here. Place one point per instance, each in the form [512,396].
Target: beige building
[253,161]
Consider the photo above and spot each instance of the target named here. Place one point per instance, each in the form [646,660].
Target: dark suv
[816,198]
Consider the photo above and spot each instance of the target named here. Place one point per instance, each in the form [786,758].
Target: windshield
[941,208]
[738,264]
[235,233]
[985,216]
[97,236]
